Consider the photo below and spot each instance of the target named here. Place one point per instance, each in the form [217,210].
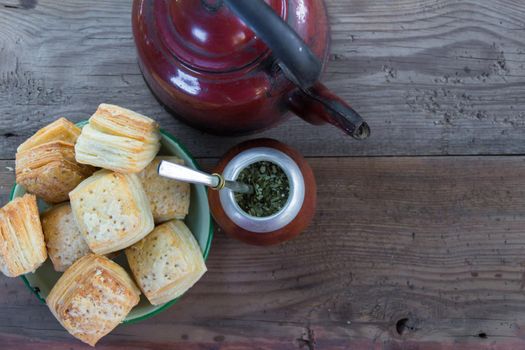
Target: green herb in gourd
[271,189]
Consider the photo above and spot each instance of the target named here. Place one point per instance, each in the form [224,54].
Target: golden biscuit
[167,262]
[92,297]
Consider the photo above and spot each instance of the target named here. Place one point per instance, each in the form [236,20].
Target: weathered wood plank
[7,178]
[431,77]
[424,250]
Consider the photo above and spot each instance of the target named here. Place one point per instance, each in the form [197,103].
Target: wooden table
[419,237]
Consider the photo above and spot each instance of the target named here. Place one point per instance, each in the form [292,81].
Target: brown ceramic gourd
[306,209]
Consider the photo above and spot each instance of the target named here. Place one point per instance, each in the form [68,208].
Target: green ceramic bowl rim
[205,253]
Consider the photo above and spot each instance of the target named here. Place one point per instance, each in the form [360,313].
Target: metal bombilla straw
[215,181]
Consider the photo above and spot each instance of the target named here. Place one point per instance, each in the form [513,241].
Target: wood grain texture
[429,255]
[431,77]
[416,253]
[7,179]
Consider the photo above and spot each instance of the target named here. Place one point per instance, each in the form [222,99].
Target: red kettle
[238,66]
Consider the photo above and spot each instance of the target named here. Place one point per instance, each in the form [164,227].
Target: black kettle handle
[295,57]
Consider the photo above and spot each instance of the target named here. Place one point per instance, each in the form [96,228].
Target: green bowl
[198,220]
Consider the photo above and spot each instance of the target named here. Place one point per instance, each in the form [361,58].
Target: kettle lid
[205,35]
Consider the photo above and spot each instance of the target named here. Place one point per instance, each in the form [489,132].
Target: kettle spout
[318,105]
[348,120]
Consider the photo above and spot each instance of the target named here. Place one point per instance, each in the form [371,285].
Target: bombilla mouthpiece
[216,181]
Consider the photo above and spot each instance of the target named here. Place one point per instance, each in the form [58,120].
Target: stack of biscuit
[118,139]
[92,297]
[109,210]
[46,165]
[22,247]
